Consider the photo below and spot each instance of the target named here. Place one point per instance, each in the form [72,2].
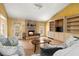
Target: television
[59,29]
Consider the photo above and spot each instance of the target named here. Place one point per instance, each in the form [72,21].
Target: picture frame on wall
[16,29]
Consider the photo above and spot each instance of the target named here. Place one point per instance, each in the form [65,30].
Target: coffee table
[35,42]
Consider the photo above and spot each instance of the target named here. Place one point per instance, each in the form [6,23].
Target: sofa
[10,47]
[66,47]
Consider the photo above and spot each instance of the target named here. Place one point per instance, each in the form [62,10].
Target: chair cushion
[70,40]
[8,50]
[13,41]
[3,39]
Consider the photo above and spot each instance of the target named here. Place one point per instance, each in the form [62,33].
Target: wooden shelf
[73,25]
[51,26]
[72,20]
[68,24]
[72,29]
[59,23]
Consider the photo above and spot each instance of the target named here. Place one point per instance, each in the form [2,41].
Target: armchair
[10,47]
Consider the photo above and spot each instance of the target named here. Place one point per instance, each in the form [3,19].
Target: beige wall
[2,10]
[3,21]
[39,24]
[23,26]
[11,23]
[9,26]
[47,28]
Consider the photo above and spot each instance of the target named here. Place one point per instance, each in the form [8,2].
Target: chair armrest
[56,45]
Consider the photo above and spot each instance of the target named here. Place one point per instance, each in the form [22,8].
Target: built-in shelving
[68,24]
[52,27]
[57,25]
[73,24]
[71,20]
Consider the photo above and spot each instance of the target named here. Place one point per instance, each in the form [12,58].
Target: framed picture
[16,29]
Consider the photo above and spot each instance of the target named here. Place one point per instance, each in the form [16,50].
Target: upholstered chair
[10,47]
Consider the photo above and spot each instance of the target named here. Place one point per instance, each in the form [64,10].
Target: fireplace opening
[31,33]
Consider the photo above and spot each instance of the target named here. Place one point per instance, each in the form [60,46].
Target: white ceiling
[30,11]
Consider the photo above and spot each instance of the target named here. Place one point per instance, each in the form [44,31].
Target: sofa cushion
[3,39]
[8,50]
[7,43]
[0,44]
[70,40]
[13,41]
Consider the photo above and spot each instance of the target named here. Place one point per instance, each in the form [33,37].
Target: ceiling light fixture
[39,5]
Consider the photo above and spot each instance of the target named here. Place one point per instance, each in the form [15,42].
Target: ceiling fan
[39,5]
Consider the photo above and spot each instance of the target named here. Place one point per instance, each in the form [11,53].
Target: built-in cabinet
[73,24]
[63,27]
[57,25]
[66,24]
[56,35]
[52,27]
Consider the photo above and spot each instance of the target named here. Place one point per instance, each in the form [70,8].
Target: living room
[36,27]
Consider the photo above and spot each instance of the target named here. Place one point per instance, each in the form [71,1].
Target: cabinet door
[61,36]
[56,36]
[51,34]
